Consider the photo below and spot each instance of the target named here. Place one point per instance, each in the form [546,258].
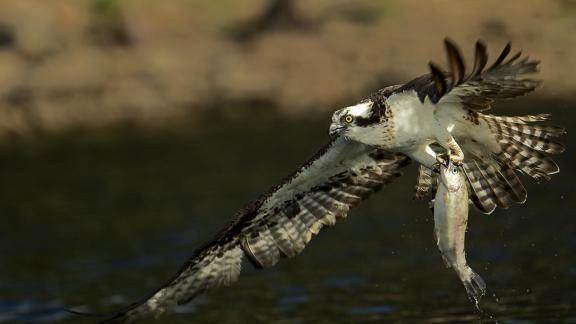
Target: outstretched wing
[280,223]
[477,90]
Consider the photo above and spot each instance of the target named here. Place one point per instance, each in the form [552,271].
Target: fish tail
[475,286]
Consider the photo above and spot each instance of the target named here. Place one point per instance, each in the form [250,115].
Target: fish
[450,222]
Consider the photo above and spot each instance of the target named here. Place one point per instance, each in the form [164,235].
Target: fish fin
[475,287]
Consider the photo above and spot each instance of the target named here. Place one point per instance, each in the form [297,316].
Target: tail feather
[538,143]
[499,190]
[517,192]
[524,145]
[523,125]
[519,119]
[425,183]
[531,162]
[540,131]
[481,194]
[526,136]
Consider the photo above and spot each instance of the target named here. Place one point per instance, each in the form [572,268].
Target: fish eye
[347,119]
[455,170]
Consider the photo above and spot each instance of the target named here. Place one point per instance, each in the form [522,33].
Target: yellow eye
[348,119]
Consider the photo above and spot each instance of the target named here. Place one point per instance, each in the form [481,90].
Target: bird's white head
[352,121]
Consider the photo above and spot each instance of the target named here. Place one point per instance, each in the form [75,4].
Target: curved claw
[455,153]
[442,159]
[457,160]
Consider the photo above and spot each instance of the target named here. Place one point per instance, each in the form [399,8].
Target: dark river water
[95,220]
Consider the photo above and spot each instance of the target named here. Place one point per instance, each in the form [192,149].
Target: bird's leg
[456,156]
[441,159]
[454,152]
[424,155]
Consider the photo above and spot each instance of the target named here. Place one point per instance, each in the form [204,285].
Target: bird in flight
[441,116]
[435,117]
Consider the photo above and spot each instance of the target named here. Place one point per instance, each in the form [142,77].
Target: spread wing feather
[477,90]
[426,183]
[280,223]
[510,144]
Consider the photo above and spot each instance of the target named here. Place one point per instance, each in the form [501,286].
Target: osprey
[441,112]
[369,143]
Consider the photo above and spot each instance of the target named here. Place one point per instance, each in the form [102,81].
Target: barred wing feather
[280,223]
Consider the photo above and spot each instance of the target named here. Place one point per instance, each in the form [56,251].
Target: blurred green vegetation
[567,10]
[106,7]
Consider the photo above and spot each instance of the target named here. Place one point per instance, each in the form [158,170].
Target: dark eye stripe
[363,122]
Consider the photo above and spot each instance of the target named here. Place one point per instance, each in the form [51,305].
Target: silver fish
[450,221]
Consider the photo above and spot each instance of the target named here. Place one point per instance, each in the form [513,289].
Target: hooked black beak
[335,130]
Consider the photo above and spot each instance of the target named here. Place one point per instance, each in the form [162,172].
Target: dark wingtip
[449,42]
[481,47]
[110,317]
[480,58]
[507,48]
[455,60]
[86,314]
[505,52]
[439,82]
[514,57]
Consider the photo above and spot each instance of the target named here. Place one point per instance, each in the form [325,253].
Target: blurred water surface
[98,219]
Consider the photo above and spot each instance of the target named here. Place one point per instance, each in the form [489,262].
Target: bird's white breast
[413,121]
